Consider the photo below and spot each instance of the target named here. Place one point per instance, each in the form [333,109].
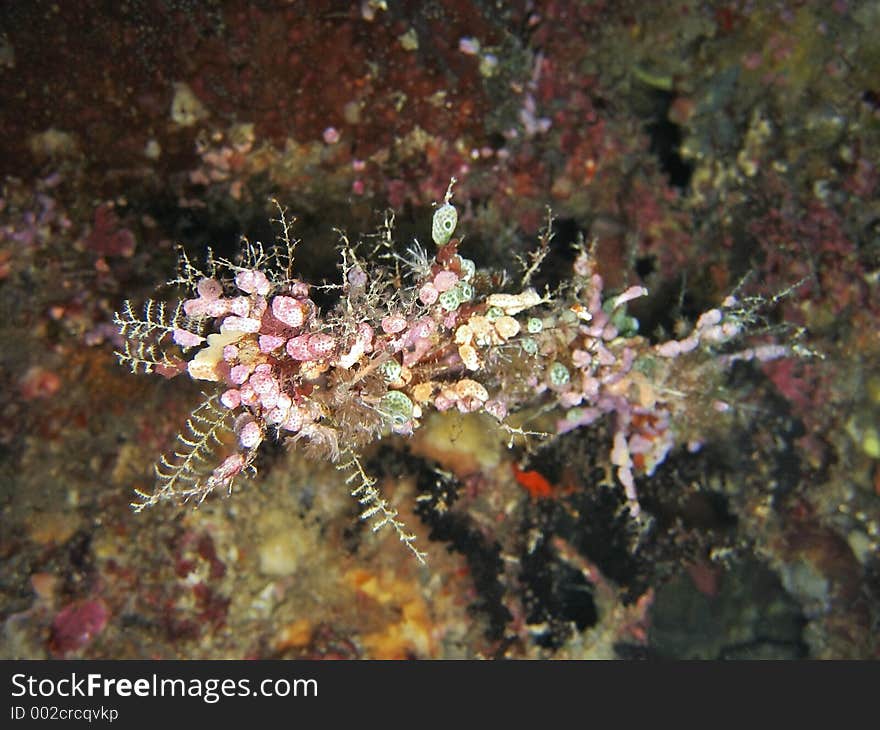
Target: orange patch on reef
[535,483]
[404,627]
[294,635]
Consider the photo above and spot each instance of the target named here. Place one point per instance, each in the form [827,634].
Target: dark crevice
[557,597]
[556,267]
[460,533]
[666,138]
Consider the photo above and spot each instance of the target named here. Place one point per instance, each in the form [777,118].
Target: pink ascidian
[288,310]
[445,280]
[393,323]
[270,343]
[231,398]
[321,345]
[209,289]
[428,294]
[365,334]
[298,348]
[249,435]
[252,282]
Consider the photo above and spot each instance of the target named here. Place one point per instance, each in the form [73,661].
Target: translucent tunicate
[449,300]
[558,374]
[390,370]
[465,291]
[396,407]
[493,313]
[445,220]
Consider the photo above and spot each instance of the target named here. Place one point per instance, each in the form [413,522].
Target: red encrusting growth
[535,483]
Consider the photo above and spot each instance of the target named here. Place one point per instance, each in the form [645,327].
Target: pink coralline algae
[107,238]
[77,625]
